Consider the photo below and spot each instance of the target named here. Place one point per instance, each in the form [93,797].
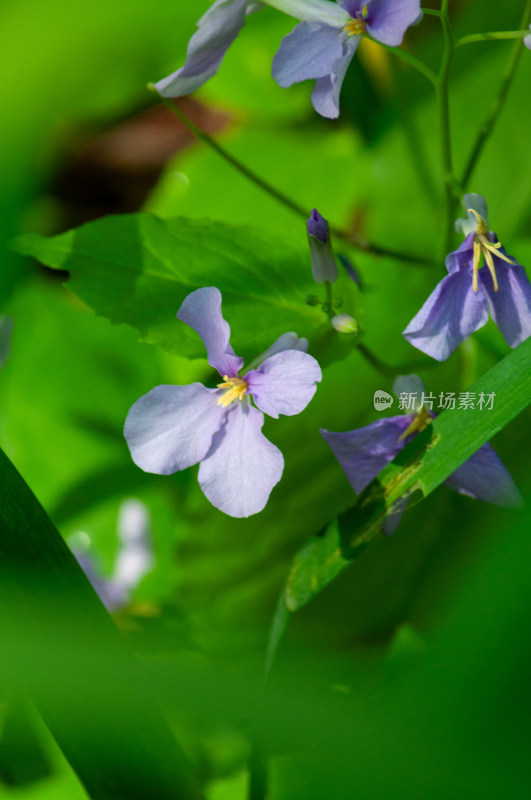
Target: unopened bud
[324,267]
[312,300]
[344,323]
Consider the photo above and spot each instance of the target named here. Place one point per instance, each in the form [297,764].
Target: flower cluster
[320,47]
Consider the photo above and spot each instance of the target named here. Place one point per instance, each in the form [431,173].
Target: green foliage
[138,269]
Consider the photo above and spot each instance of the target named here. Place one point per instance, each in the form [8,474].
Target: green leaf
[424,464]
[87,687]
[138,269]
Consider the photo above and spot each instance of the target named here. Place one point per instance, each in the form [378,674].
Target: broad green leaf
[61,646]
[138,269]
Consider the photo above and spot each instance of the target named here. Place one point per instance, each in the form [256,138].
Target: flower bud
[324,267]
[344,323]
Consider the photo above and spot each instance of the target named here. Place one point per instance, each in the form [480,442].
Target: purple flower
[322,47]
[133,561]
[460,303]
[217,29]
[324,267]
[364,452]
[173,427]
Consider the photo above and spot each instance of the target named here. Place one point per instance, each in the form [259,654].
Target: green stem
[388,370]
[412,61]
[493,36]
[444,119]
[329,299]
[499,102]
[432,12]
[348,236]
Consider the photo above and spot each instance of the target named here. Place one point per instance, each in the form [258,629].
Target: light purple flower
[173,427]
[133,561]
[319,48]
[217,29]
[322,47]
[527,40]
[460,303]
[364,452]
[324,267]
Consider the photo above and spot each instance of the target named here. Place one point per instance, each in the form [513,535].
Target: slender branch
[493,36]
[431,12]
[412,61]
[348,236]
[388,369]
[444,119]
[499,102]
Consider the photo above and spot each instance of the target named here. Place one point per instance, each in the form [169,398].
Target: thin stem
[329,299]
[386,369]
[499,102]
[412,61]
[444,118]
[431,12]
[493,36]
[348,236]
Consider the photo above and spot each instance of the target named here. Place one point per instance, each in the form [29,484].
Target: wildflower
[217,29]
[173,427]
[324,267]
[460,303]
[320,47]
[527,40]
[364,452]
[134,559]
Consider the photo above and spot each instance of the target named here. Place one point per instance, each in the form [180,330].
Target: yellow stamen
[356,27]
[484,247]
[422,420]
[236,389]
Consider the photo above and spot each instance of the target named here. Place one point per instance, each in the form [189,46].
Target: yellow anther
[484,247]
[421,420]
[356,27]
[236,389]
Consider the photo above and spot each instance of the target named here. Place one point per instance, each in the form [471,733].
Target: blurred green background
[407,676]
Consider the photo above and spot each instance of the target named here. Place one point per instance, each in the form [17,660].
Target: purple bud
[324,267]
[317,226]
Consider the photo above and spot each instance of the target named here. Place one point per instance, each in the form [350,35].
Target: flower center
[484,247]
[356,27]
[420,421]
[236,389]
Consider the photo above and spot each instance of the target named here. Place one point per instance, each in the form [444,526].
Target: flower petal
[287,341]
[510,306]
[325,96]
[218,28]
[171,427]
[285,383]
[353,8]
[309,51]
[451,313]
[527,40]
[484,477]
[364,452]
[462,258]
[242,467]
[410,385]
[316,10]
[388,20]
[201,310]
